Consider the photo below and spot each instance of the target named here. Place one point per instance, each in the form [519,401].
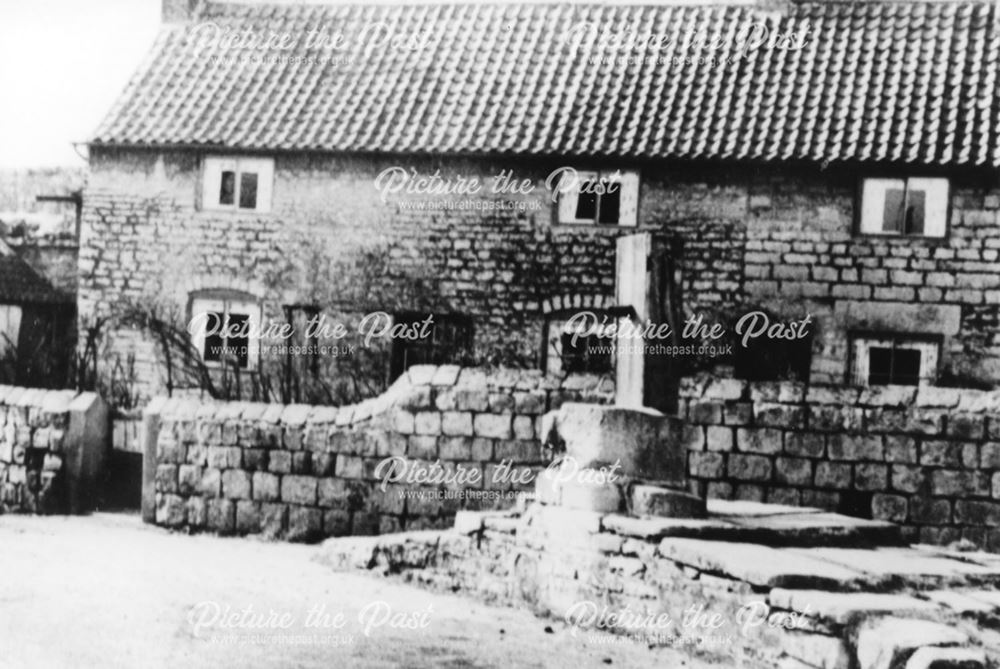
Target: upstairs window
[223,329]
[447,340]
[914,206]
[598,198]
[893,360]
[237,183]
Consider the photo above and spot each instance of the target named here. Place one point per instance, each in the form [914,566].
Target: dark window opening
[590,354]
[239,343]
[448,340]
[599,201]
[227,188]
[219,347]
[611,202]
[765,359]
[586,202]
[893,366]
[248,190]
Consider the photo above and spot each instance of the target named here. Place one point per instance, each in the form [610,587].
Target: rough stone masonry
[303,472]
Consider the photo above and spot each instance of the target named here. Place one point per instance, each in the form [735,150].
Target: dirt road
[106,591]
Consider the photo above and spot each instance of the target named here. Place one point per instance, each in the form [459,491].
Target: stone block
[304,523]
[280,462]
[221,515]
[886,643]
[273,519]
[298,489]
[855,447]
[456,423]
[171,510]
[427,422]
[816,650]
[719,438]
[495,426]
[236,484]
[643,443]
[749,467]
[600,495]
[266,487]
[793,471]
[761,440]
[706,465]
[248,518]
[656,501]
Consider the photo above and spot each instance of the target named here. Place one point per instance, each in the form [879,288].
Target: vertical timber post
[648,286]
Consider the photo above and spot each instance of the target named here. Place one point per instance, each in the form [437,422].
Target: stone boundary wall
[302,472]
[52,449]
[926,458]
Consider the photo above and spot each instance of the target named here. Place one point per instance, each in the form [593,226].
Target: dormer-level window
[598,198]
[916,206]
[236,183]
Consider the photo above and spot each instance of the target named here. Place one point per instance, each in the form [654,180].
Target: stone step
[841,608]
[803,530]
[761,566]
[907,566]
[819,529]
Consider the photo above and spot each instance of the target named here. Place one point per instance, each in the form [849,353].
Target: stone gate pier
[611,539]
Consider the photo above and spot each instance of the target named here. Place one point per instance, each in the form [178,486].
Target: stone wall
[52,448]
[926,458]
[302,472]
[778,236]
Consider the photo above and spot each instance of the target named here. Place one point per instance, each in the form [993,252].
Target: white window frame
[226,305]
[569,196]
[936,196]
[214,166]
[861,346]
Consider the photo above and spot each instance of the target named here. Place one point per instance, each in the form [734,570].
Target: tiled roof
[20,284]
[911,81]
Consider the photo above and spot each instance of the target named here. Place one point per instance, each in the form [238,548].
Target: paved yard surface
[106,591]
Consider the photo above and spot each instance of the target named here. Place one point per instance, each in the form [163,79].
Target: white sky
[62,64]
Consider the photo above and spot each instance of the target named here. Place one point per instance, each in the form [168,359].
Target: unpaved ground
[106,591]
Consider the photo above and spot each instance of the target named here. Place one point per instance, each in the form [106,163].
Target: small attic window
[237,183]
[916,207]
[598,198]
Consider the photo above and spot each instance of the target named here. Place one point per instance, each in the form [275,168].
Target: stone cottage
[287,163]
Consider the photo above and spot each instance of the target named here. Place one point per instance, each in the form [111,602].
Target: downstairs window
[894,360]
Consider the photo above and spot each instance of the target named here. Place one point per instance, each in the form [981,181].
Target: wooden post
[648,284]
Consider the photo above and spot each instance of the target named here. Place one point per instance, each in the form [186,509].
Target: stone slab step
[821,529]
[841,608]
[908,566]
[652,529]
[960,602]
[740,508]
[760,565]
